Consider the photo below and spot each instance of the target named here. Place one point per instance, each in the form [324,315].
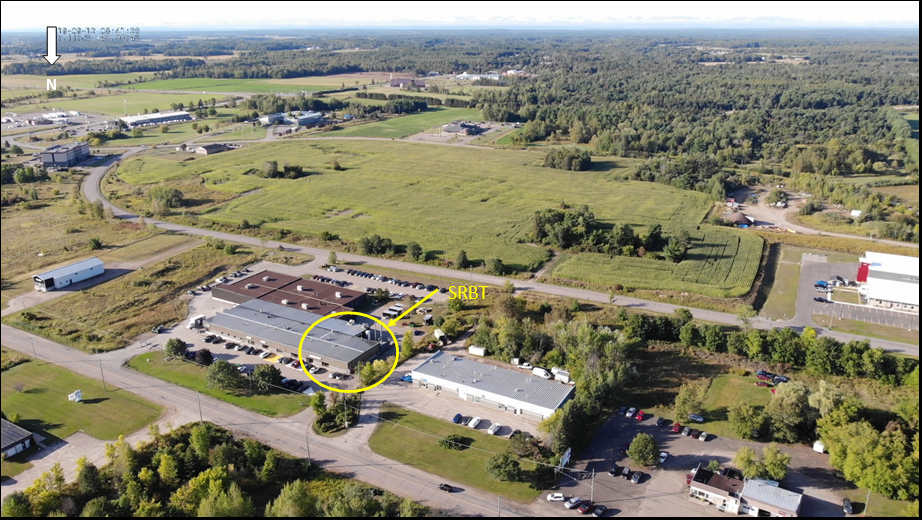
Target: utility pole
[34,356]
[199,401]
[308,445]
[102,375]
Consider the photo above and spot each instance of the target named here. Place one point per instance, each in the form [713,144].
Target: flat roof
[66,147]
[898,264]
[11,434]
[70,269]
[141,118]
[320,297]
[298,315]
[492,379]
[769,494]
[718,481]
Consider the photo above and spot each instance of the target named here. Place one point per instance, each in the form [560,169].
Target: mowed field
[407,125]
[445,198]
[721,262]
[114,105]
[229,85]
[910,194]
[74,81]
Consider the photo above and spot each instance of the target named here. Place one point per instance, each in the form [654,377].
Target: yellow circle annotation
[397,351]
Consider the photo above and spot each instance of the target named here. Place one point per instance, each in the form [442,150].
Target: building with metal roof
[13,438]
[156,118]
[66,275]
[502,389]
[70,154]
[890,281]
[277,328]
[761,498]
[315,296]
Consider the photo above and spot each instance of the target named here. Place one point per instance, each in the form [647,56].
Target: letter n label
[51,84]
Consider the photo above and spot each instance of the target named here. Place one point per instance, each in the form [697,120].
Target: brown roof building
[310,295]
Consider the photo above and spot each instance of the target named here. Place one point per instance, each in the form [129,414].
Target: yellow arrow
[422,300]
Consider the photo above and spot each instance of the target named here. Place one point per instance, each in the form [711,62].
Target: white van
[474,422]
[541,373]
[494,428]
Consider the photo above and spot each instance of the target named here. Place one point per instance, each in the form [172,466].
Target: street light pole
[308,445]
[34,356]
[102,375]
[199,401]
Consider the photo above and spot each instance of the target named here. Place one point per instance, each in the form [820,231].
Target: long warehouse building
[333,343]
[310,295]
[890,281]
[66,275]
[501,389]
[156,118]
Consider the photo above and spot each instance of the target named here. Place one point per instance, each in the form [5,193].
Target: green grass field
[411,438]
[878,505]
[192,376]
[857,327]
[148,248]
[229,85]
[74,81]
[721,262]
[116,104]
[909,194]
[245,133]
[38,393]
[795,253]
[409,124]
[780,305]
[724,391]
[432,188]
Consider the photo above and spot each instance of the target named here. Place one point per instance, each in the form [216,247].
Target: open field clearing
[114,105]
[726,390]
[408,124]
[388,183]
[221,85]
[148,248]
[192,376]
[910,194]
[857,327]
[107,316]
[721,262]
[74,81]
[38,393]
[411,438]
[780,303]
[244,133]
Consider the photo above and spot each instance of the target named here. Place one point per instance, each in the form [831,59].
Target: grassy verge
[192,376]
[411,438]
[107,316]
[38,394]
[839,244]
[857,327]
[848,297]
[878,505]
[17,464]
[147,248]
[795,253]
[726,390]
[780,304]
[401,126]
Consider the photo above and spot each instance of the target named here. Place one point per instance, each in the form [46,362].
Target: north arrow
[422,300]
[52,55]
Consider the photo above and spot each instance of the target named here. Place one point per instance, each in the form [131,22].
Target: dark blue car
[457,418]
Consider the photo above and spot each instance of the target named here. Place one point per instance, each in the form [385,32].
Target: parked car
[762,384]
[585,507]
[314,369]
[847,506]
[822,300]
[407,378]
[229,345]
[573,502]
[626,473]
[696,418]
[494,428]
[664,456]
[622,410]
[763,377]
[556,497]
[526,365]
[640,415]
[636,478]
[600,510]
[694,433]
[703,436]
[614,470]
[445,487]
[474,422]
[631,412]
[677,427]
[515,432]
[265,354]
[457,418]
[660,422]
[465,420]
[686,431]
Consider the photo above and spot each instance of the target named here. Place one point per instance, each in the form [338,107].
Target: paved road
[348,454]
[91,189]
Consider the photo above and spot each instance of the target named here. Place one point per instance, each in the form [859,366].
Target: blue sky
[206,15]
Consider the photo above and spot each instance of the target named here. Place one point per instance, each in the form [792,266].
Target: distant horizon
[162,16]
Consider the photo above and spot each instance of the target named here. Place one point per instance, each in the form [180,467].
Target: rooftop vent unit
[299,287]
[285,301]
[305,306]
[250,286]
[266,278]
[339,295]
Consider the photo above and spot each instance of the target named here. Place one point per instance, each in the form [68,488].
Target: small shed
[739,219]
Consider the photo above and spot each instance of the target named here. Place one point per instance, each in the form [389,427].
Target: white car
[573,502]
[703,436]
[494,428]
[631,412]
[664,456]
[556,497]
[265,354]
[525,365]
[474,422]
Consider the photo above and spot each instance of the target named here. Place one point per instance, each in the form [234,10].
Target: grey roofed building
[13,438]
[483,383]
[333,342]
[763,495]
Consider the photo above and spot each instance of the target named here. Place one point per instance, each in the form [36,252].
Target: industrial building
[13,438]
[157,118]
[890,281]
[66,275]
[62,156]
[206,150]
[488,76]
[507,390]
[333,343]
[310,295]
[731,493]
[298,118]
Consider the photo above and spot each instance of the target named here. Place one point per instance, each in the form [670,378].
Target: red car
[677,427]
[762,384]
[585,507]
[640,415]
[763,377]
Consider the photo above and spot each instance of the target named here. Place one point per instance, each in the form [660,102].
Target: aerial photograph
[485,259]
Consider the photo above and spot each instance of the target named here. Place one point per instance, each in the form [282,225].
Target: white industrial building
[157,118]
[66,275]
[297,118]
[60,156]
[501,389]
[890,281]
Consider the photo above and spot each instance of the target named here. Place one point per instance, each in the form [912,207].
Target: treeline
[271,170]
[201,470]
[41,67]
[18,173]
[429,100]
[568,159]
[577,229]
